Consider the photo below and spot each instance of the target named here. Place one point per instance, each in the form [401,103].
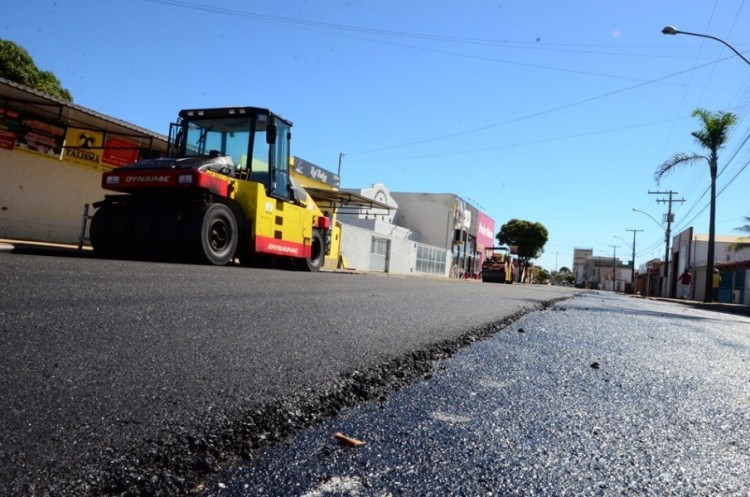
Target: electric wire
[507,44]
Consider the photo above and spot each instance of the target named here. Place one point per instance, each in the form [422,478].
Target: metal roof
[345,200]
[28,100]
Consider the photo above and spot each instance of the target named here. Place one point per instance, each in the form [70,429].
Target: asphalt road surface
[130,378]
[599,395]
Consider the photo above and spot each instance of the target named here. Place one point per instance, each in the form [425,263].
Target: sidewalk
[739,309]
[44,248]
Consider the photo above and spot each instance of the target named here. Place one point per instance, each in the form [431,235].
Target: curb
[736,309]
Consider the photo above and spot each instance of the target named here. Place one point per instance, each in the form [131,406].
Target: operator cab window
[260,167]
[227,137]
[281,160]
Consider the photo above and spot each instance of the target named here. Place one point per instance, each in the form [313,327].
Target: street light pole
[632,263]
[341,159]
[662,279]
[614,267]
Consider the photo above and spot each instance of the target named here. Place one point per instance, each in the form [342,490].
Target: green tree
[711,137]
[563,276]
[529,237]
[543,276]
[17,65]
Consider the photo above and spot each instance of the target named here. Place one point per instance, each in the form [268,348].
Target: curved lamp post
[671,30]
[632,261]
[666,250]
[652,217]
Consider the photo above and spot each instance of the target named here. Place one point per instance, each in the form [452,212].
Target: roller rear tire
[211,234]
[317,253]
[99,231]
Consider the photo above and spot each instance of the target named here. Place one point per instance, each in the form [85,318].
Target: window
[430,260]
[281,160]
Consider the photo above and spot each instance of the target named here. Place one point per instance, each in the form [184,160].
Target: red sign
[9,126]
[40,137]
[7,139]
[119,151]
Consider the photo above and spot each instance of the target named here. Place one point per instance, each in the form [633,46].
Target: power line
[514,145]
[530,116]
[537,44]
[305,23]
[429,37]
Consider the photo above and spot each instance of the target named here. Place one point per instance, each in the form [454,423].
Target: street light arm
[652,218]
[671,30]
[623,240]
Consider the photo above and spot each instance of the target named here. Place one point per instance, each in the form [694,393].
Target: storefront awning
[344,201]
[36,103]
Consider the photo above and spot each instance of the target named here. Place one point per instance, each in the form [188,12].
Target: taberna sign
[310,170]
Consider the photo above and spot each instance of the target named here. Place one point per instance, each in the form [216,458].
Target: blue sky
[556,112]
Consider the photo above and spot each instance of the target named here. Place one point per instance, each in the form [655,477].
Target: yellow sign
[84,147]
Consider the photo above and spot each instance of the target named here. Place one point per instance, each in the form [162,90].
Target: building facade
[606,273]
[448,235]
[690,250]
[52,155]
[580,255]
[447,221]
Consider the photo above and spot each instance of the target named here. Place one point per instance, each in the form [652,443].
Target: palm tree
[745,241]
[711,137]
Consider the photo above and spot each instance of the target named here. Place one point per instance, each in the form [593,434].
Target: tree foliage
[563,277]
[542,276]
[17,65]
[711,137]
[530,237]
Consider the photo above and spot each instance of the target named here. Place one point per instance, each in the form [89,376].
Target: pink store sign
[486,231]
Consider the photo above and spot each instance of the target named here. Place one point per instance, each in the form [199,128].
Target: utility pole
[664,290]
[632,264]
[614,269]
[341,159]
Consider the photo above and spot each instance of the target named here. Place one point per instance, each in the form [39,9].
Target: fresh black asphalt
[128,378]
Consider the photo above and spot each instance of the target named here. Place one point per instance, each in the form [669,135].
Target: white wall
[356,244]
[429,214]
[355,247]
[403,257]
[42,199]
